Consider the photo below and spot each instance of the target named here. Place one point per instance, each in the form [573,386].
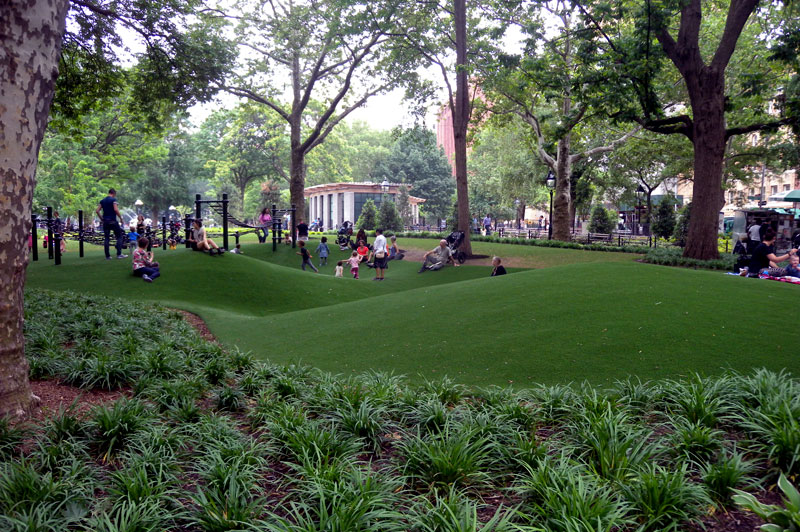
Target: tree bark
[30,44]
[706,93]
[461,122]
[561,198]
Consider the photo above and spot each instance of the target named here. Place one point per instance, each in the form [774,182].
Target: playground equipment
[58,231]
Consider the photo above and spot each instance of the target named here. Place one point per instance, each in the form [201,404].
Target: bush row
[674,257]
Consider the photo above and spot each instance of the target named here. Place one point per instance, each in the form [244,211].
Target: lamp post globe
[138,204]
[550,183]
[385,186]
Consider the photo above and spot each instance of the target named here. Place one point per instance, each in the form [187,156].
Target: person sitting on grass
[362,251]
[322,251]
[237,250]
[339,269]
[361,236]
[436,258]
[499,269]
[793,269]
[199,241]
[394,251]
[143,264]
[764,255]
[354,261]
[306,257]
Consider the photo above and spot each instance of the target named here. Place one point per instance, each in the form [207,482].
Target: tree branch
[738,13]
[247,93]
[577,157]
[768,126]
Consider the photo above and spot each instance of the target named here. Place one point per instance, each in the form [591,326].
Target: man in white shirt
[755,233]
[378,254]
[437,257]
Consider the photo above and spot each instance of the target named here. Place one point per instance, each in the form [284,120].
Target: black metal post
[188,229]
[294,226]
[163,232]
[274,228]
[49,233]
[34,237]
[80,233]
[550,226]
[57,246]
[198,213]
[225,222]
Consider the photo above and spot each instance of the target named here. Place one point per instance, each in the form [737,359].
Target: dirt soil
[54,395]
[198,323]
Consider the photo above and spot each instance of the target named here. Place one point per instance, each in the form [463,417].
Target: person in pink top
[264,220]
[354,261]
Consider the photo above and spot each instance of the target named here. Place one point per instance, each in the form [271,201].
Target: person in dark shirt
[499,269]
[764,255]
[302,231]
[110,213]
[306,257]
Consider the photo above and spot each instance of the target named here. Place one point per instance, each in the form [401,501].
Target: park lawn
[596,321]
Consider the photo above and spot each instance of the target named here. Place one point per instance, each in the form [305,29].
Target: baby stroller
[343,238]
[454,241]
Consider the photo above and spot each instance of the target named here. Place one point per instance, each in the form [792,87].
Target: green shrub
[454,512]
[664,499]
[455,456]
[114,425]
[602,221]
[229,398]
[674,257]
[10,437]
[730,471]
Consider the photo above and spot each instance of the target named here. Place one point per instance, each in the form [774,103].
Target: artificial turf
[595,321]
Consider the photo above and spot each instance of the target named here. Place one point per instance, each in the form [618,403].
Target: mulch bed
[54,396]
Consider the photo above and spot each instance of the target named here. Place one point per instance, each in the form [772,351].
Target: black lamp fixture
[550,183]
[640,191]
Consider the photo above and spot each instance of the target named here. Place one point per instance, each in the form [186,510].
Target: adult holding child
[108,210]
[378,255]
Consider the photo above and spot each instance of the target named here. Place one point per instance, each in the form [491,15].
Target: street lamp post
[138,204]
[638,217]
[550,182]
[516,211]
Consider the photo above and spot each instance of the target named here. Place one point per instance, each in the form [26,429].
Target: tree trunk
[707,98]
[297,170]
[461,122]
[561,198]
[30,43]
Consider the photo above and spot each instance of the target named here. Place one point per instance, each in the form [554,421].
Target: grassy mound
[209,440]
[584,321]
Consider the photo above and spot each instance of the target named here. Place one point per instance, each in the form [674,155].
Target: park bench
[591,238]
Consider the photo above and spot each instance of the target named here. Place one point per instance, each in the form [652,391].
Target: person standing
[378,254]
[754,232]
[487,224]
[264,220]
[108,209]
[323,251]
[302,231]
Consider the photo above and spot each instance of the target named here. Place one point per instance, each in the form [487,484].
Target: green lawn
[590,318]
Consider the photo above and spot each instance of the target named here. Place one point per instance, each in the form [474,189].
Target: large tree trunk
[706,93]
[30,43]
[561,199]
[297,170]
[461,122]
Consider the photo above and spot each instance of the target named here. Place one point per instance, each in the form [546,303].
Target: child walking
[143,265]
[322,251]
[339,270]
[306,257]
[354,261]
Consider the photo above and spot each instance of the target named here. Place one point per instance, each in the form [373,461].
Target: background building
[336,203]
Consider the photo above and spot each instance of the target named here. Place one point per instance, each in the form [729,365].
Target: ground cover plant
[220,441]
[574,321]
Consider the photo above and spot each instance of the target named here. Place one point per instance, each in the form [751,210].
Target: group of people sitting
[764,261]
